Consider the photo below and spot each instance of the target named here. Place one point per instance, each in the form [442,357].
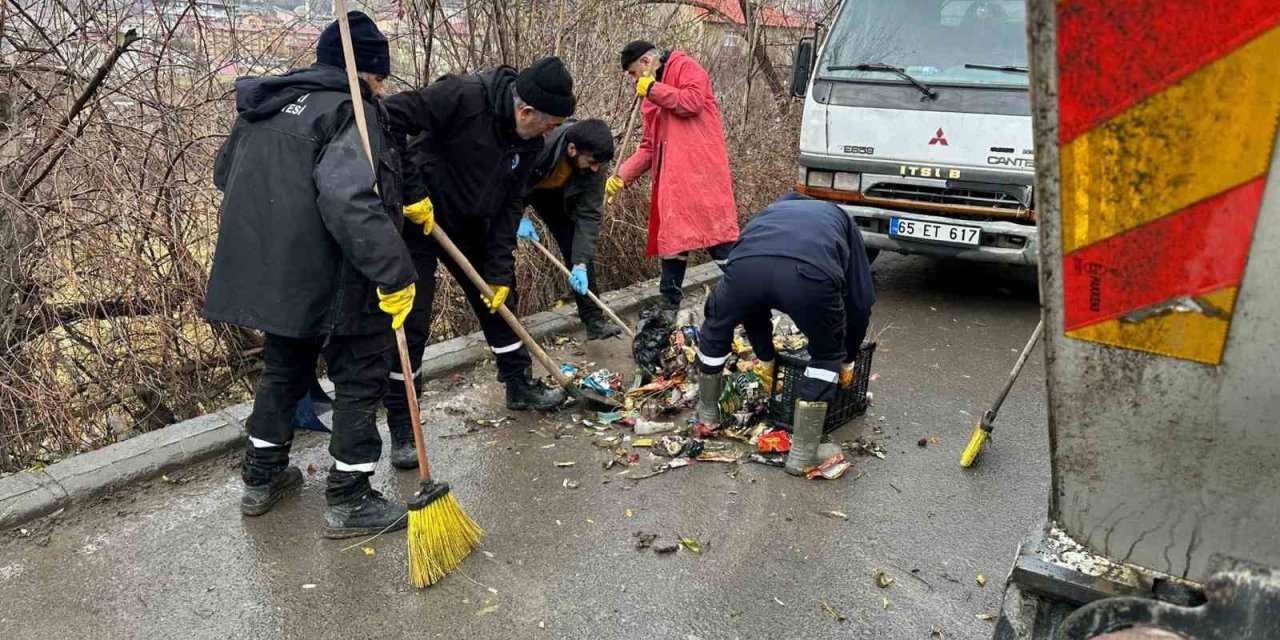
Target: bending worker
[568,194]
[691,205]
[308,244]
[805,258]
[472,144]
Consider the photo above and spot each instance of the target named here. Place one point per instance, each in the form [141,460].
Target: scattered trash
[743,397]
[832,469]
[829,610]
[569,484]
[982,580]
[308,586]
[609,417]
[771,460]
[311,469]
[774,442]
[986,617]
[678,462]
[666,547]
[566,464]
[884,601]
[780,603]
[369,551]
[938,632]
[718,454]
[837,514]
[548,446]
[653,337]
[922,442]
[861,447]
[646,428]
[883,580]
[488,609]
[691,544]
[672,446]
[629,514]
[471,427]
[604,381]
[644,540]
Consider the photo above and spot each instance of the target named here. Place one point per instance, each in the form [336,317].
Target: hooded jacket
[465,155]
[582,197]
[304,238]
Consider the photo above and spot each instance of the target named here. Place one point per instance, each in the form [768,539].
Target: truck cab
[917,122]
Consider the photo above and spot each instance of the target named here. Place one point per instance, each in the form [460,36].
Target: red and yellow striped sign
[1168,113]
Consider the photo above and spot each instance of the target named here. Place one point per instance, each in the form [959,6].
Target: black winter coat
[465,155]
[304,238]
[582,197]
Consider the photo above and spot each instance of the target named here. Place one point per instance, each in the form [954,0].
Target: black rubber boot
[404,454]
[598,328]
[364,514]
[258,500]
[709,388]
[525,393]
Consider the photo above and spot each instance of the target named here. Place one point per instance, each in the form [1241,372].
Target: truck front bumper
[1001,242]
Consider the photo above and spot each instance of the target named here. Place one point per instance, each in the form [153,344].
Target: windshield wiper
[929,93]
[996,67]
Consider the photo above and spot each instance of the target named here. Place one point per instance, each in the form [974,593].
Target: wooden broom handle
[590,294]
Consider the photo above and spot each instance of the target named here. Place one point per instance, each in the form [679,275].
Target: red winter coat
[692,202]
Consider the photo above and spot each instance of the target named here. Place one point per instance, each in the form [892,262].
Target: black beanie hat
[547,86]
[367,43]
[634,50]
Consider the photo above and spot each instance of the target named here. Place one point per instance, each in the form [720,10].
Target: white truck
[917,122]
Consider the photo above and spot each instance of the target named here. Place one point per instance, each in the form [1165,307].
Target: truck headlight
[821,179]
[848,181]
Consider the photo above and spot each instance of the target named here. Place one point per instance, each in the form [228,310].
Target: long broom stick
[982,430]
[590,294]
[440,534]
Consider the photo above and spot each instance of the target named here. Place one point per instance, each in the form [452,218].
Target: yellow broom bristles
[440,537]
[975,445]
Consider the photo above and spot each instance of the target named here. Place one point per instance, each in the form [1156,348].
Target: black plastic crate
[845,406]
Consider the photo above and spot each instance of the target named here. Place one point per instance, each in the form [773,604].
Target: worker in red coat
[691,206]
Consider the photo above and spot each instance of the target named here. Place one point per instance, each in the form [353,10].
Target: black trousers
[358,367]
[749,292]
[513,360]
[671,283]
[562,227]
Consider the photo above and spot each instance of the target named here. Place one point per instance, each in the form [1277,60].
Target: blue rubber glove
[578,280]
[526,230]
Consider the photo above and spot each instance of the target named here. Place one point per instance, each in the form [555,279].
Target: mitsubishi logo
[939,138]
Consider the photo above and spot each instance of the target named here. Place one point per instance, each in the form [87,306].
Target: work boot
[598,328]
[807,448]
[364,514]
[709,388]
[525,393]
[404,454]
[259,499]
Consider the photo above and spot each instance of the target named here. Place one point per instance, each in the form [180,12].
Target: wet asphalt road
[175,559]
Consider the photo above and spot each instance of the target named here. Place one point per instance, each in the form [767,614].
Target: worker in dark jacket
[472,144]
[805,258]
[568,194]
[309,251]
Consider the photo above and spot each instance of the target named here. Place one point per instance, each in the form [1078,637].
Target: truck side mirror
[801,67]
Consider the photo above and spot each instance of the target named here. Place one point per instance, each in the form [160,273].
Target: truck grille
[944,195]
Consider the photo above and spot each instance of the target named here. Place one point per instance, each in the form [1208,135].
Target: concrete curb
[27,495]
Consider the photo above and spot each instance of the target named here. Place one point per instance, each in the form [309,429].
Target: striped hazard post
[1168,113]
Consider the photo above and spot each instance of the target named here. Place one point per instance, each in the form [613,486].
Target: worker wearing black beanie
[372,53]
[547,86]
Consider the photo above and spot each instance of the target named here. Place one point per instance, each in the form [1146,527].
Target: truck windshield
[938,42]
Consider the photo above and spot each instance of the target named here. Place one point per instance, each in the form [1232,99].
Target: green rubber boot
[709,387]
[807,449]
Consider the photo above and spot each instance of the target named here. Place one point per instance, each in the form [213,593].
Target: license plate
[934,232]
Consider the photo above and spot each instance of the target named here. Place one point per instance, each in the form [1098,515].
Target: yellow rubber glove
[500,294]
[612,186]
[643,84]
[397,304]
[422,212]
[846,376]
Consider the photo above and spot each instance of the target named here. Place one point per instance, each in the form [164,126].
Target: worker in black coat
[472,142]
[805,258]
[567,192]
[309,252]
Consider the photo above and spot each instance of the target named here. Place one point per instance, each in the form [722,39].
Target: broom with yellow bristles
[982,431]
[440,534]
